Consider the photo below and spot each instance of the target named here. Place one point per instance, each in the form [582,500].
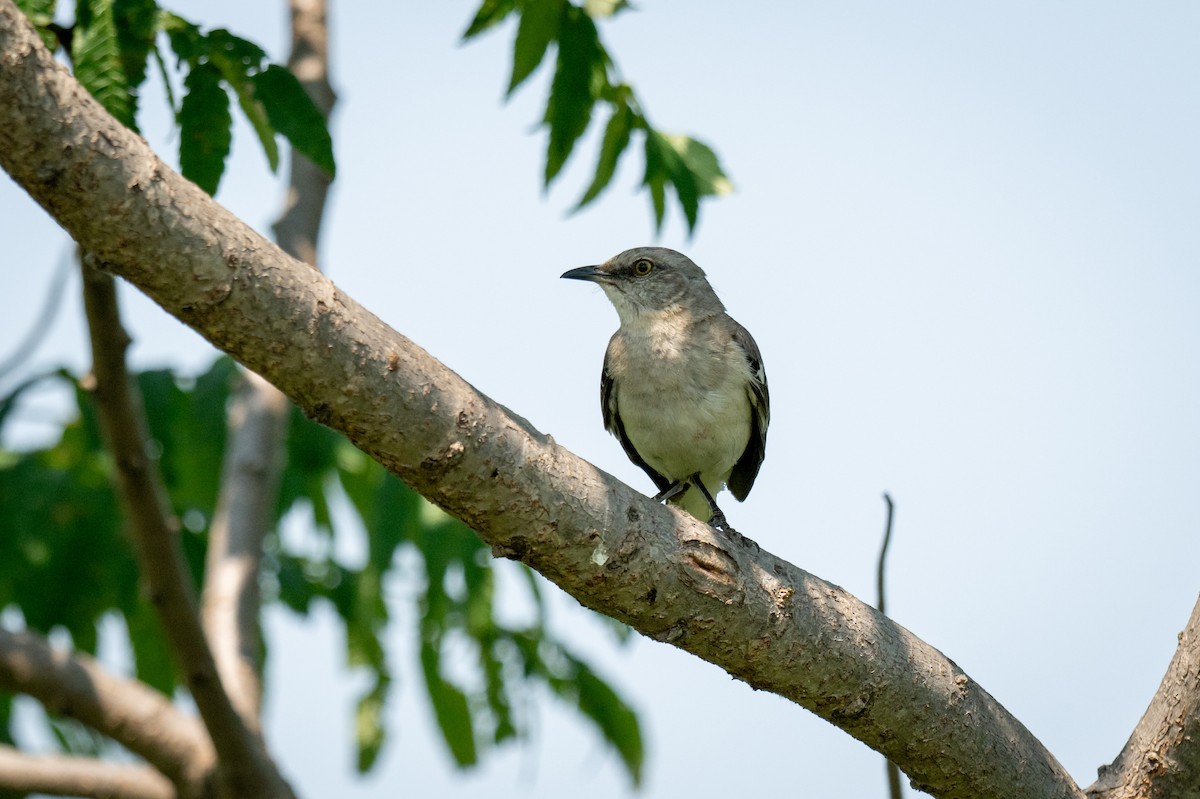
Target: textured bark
[79,776]
[674,579]
[244,767]
[1162,758]
[135,716]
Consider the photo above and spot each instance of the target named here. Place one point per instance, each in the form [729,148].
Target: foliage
[111,43]
[585,76]
[65,565]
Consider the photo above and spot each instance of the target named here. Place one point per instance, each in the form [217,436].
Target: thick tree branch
[672,578]
[244,767]
[79,776]
[1162,757]
[258,418]
[135,716]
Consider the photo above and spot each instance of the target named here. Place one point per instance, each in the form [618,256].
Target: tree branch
[245,508]
[655,568]
[244,767]
[79,776]
[258,418]
[135,716]
[1162,757]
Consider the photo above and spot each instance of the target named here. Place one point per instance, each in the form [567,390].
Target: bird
[683,387]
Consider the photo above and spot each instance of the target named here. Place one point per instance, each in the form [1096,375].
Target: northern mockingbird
[683,386]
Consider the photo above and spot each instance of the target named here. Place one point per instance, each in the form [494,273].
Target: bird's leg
[717,519]
[670,492]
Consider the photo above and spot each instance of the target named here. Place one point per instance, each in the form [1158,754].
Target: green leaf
[702,163]
[292,113]
[616,139]
[579,78]
[604,8]
[204,127]
[96,55]
[41,14]
[137,26]
[540,20]
[616,720]
[151,657]
[238,60]
[450,708]
[490,14]
[370,731]
[655,178]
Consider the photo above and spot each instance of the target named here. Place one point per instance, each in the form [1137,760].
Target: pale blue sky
[965,239]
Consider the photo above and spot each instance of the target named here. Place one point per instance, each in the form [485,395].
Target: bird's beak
[593,273]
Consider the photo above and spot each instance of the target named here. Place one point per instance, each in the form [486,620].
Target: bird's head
[651,280]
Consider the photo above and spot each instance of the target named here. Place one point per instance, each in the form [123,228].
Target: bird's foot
[718,523]
[675,489]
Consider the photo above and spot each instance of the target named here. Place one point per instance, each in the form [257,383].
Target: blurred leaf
[450,708]
[137,26]
[490,14]
[701,162]
[579,78]
[151,657]
[238,60]
[655,177]
[616,139]
[292,113]
[539,26]
[204,127]
[186,39]
[41,14]
[96,59]
[604,8]
[312,458]
[616,721]
[369,730]
[76,739]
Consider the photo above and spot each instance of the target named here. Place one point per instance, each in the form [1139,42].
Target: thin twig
[895,789]
[132,714]
[24,349]
[58,775]
[244,767]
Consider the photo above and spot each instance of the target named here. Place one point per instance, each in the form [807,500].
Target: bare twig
[258,417]
[1162,757]
[244,768]
[45,318]
[132,714]
[895,789]
[57,775]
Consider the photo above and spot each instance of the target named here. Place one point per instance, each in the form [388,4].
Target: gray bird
[683,386]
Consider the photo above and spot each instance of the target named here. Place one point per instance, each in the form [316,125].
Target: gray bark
[132,714]
[1162,757]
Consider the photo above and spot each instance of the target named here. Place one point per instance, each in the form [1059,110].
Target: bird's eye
[642,267]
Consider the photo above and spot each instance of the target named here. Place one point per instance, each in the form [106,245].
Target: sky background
[965,239]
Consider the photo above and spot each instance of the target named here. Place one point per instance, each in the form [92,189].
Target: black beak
[593,273]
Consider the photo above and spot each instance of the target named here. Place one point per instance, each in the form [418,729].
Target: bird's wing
[746,469]
[614,425]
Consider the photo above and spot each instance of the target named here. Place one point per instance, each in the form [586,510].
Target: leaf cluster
[585,76]
[65,564]
[111,44]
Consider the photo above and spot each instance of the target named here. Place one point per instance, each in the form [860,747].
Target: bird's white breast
[682,395]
